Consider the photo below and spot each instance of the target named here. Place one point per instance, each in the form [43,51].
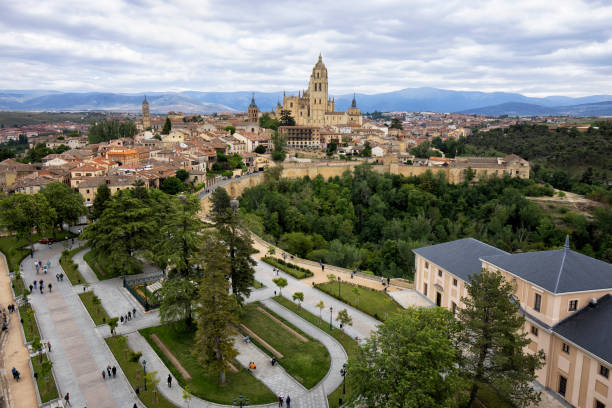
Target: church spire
[354,103]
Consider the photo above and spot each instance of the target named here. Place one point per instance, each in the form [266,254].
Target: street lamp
[240,402]
[343,374]
[339,279]
[144,369]
[124,274]
[331,311]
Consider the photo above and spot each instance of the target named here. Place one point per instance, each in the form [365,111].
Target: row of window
[563,389]
[537,304]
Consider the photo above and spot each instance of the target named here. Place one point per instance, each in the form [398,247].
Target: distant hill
[409,99]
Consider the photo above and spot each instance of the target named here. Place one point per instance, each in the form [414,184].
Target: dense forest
[563,157]
[371,221]
[106,130]
[10,119]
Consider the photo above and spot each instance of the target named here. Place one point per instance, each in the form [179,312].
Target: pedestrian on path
[280,400]
[67,398]
[49,346]
[169,381]
[130,315]
[61,277]
[114,371]
[121,319]
[108,370]
[50,286]
[104,374]
[288,401]
[40,283]
[134,312]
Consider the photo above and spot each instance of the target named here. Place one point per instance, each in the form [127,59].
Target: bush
[291,269]
[134,357]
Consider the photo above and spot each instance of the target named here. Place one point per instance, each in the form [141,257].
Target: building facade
[313,107]
[566,298]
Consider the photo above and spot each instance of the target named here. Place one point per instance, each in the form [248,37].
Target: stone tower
[253,110]
[317,92]
[146,117]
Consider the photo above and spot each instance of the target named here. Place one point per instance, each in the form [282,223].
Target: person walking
[67,399]
[49,346]
[50,288]
[288,401]
[108,370]
[40,283]
[280,400]
[169,381]
[130,315]
[114,371]
[35,283]
[104,375]
[121,319]
[134,312]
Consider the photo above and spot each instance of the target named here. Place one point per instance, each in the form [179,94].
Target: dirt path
[289,329]
[171,357]
[14,353]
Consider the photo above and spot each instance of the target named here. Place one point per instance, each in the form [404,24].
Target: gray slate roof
[460,257]
[591,328]
[558,271]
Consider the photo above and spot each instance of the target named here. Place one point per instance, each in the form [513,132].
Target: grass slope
[70,268]
[45,382]
[306,362]
[30,329]
[97,312]
[204,384]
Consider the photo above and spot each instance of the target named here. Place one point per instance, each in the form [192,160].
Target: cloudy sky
[551,47]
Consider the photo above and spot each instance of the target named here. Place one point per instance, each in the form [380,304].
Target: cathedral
[313,107]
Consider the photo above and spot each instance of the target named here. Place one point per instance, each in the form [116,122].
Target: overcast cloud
[538,48]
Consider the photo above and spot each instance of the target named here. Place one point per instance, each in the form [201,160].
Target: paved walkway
[79,354]
[88,274]
[13,351]
[410,297]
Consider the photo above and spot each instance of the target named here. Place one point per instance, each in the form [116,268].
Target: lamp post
[339,280]
[144,369]
[241,402]
[124,274]
[343,374]
[331,311]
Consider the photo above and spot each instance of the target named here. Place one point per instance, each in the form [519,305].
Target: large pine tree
[494,342]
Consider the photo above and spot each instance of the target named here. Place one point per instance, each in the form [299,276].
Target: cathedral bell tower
[253,112]
[146,117]
[317,93]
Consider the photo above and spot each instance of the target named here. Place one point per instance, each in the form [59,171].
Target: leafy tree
[216,309]
[153,379]
[182,175]
[172,186]
[103,194]
[260,149]
[230,129]
[281,283]
[179,235]
[40,150]
[299,298]
[113,322]
[66,203]
[396,124]
[177,297]
[106,130]
[494,342]
[320,306]
[220,204]
[344,318]
[286,119]
[126,226]
[167,127]
[22,214]
[410,361]
[278,152]
[267,122]
[356,292]
[45,368]
[332,147]
[367,150]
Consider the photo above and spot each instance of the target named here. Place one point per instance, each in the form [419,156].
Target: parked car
[46,241]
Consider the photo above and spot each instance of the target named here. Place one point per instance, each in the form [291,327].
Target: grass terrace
[375,303]
[94,307]
[133,371]
[44,380]
[70,268]
[293,270]
[30,329]
[19,286]
[307,362]
[204,384]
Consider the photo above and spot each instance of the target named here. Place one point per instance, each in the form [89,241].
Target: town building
[301,137]
[565,296]
[313,107]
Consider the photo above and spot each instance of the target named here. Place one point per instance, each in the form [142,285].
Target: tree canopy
[66,203]
[106,130]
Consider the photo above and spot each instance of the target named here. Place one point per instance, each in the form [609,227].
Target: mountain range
[409,99]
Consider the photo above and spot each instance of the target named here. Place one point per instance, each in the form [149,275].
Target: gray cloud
[530,46]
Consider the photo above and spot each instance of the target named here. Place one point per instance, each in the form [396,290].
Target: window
[573,305]
[565,347]
[425,289]
[599,404]
[438,299]
[426,265]
[440,272]
[454,282]
[603,370]
[538,302]
[454,308]
[562,385]
[534,330]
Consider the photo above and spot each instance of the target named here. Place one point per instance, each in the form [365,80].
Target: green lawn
[203,383]
[291,269]
[133,371]
[44,382]
[19,286]
[70,268]
[97,312]
[490,398]
[101,267]
[258,285]
[348,343]
[375,303]
[29,324]
[306,362]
